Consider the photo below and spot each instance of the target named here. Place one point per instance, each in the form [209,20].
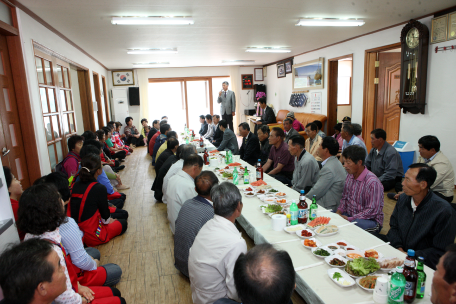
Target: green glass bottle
[294,213]
[235,176]
[313,209]
[420,286]
[246,176]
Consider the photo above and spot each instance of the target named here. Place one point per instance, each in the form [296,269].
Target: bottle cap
[421,259]
[259,160]
[302,191]
[399,269]
[411,252]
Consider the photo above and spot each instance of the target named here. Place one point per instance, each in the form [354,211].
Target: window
[343,90]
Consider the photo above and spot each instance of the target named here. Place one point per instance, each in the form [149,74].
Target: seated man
[250,149]
[357,131]
[313,141]
[182,187]
[164,129]
[218,134]
[280,164]
[265,147]
[421,220]
[164,145]
[210,127]
[268,116]
[306,167]
[263,275]
[229,141]
[444,280]
[362,198]
[288,128]
[319,127]
[385,162]
[30,272]
[216,248]
[348,134]
[171,147]
[153,130]
[204,125]
[194,213]
[331,178]
[157,186]
[296,124]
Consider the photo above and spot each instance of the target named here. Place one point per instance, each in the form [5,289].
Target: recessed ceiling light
[237,61]
[152,20]
[329,22]
[152,51]
[267,50]
[149,64]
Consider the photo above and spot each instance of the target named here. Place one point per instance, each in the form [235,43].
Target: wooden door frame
[105,97]
[370,89]
[331,106]
[96,86]
[85,93]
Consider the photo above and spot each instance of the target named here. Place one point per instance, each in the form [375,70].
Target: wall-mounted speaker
[133,96]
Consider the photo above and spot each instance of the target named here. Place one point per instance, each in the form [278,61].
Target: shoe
[132,146]
[120,168]
[391,196]
[122,160]
[122,187]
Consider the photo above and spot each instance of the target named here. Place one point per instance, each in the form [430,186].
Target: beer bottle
[313,208]
[259,171]
[246,176]
[303,212]
[411,276]
[420,286]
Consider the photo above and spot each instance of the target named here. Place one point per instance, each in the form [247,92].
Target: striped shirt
[362,198]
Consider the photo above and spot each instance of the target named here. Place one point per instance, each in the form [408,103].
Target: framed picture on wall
[289,66]
[123,78]
[451,26]
[439,29]
[281,70]
[308,75]
[259,74]
[247,81]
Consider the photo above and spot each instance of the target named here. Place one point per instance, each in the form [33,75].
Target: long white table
[207,145]
[314,284]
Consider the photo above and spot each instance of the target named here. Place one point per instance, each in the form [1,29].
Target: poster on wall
[308,75]
[123,78]
[315,103]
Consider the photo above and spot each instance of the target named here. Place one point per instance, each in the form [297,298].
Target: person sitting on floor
[182,187]
[104,154]
[114,153]
[306,170]
[31,273]
[41,212]
[15,191]
[210,128]
[71,162]
[331,178]
[289,130]
[297,125]
[118,138]
[338,136]
[385,162]
[421,220]
[265,147]
[263,275]
[350,139]
[145,130]
[192,216]
[95,218]
[216,248]
[268,116]
[164,145]
[313,141]
[444,280]
[250,148]
[229,141]
[171,147]
[204,125]
[157,186]
[111,142]
[134,138]
[319,128]
[154,138]
[280,164]
[218,134]
[362,198]
[164,129]
[153,130]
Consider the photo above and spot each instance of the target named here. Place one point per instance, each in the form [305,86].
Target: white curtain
[236,88]
[143,83]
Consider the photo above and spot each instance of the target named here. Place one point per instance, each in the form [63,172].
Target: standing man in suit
[250,149]
[228,104]
[332,176]
[204,125]
[268,116]
[218,134]
[229,141]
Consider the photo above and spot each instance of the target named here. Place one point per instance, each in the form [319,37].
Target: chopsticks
[378,246]
[352,223]
[308,266]
[285,241]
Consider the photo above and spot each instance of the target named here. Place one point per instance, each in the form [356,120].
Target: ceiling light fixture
[152,20]
[237,61]
[267,50]
[152,51]
[149,64]
[329,22]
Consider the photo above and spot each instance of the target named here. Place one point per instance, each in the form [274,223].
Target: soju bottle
[294,213]
[235,176]
[396,288]
[313,208]
[420,286]
[246,176]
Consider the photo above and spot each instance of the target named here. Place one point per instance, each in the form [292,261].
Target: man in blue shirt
[350,139]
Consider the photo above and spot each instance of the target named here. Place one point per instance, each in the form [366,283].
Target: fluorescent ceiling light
[152,51]
[237,61]
[149,64]
[329,22]
[152,20]
[267,50]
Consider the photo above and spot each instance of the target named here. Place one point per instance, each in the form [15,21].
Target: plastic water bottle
[421,285]
[235,176]
[396,288]
[246,176]
[294,213]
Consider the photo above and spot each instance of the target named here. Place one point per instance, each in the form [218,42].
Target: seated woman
[89,205]
[118,137]
[71,161]
[41,213]
[115,153]
[86,260]
[105,153]
[111,141]
[15,191]
[338,136]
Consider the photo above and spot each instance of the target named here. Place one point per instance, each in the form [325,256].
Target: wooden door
[11,145]
[388,111]
[96,86]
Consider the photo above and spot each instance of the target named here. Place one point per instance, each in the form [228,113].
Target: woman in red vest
[89,205]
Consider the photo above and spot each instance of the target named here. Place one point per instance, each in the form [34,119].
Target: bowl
[327,234]
[330,258]
[249,194]
[366,289]
[361,254]
[298,233]
[269,200]
[333,246]
[380,255]
[280,194]
[320,256]
[279,201]
[344,275]
[312,239]
[291,229]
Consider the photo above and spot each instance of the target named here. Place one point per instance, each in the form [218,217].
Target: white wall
[440,95]
[32,30]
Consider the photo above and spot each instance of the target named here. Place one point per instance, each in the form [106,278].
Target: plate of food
[367,283]
[283,202]
[258,183]
[387,264]
[333,246]
[249,194]
[353,254]
[327,230]
[249,189]
[372,253]
[280,194]
[361,267]
[319,221]
[260,192]
[271,208]
[273,191]
[311,243]
[336,261]
[321,252]
[293,229]
[264,187]
[340,278]
[270,200]
[305,234]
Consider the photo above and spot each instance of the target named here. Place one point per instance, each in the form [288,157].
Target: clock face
[413,38]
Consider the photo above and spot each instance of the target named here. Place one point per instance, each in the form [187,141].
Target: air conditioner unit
[119,105]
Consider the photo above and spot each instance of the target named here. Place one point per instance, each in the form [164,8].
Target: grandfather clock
[414,59]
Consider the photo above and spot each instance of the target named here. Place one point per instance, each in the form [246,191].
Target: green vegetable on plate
[362,266]
[321,252]
[337,276]
[272,208]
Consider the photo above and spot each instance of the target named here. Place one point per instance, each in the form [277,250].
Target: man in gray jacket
[331,179]
[227,99]
[306,170]
[289,130]
[229,141]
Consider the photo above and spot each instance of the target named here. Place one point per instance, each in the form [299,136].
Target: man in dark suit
[265,147]
[268,116]
[229,141]
[171,149]
[218,135]
[204,125]
[250,149]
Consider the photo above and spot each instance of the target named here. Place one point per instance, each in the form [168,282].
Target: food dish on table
[234,165]
[273,191]
[371,253]
[249,194]
[367,283]
[261,192]
[319,221]
[388,264]
[310,243]
[293,229]
[337,262]
[342,244]
[341,278]
[360,267]
[264,187]
[282,201]
[249,189]
[258,183]
[271,208]
[321,252]
[305,234]
[281,194]
[353,255]
[327,230]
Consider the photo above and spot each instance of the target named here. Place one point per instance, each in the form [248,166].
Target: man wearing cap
[296,124]
[346,119]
